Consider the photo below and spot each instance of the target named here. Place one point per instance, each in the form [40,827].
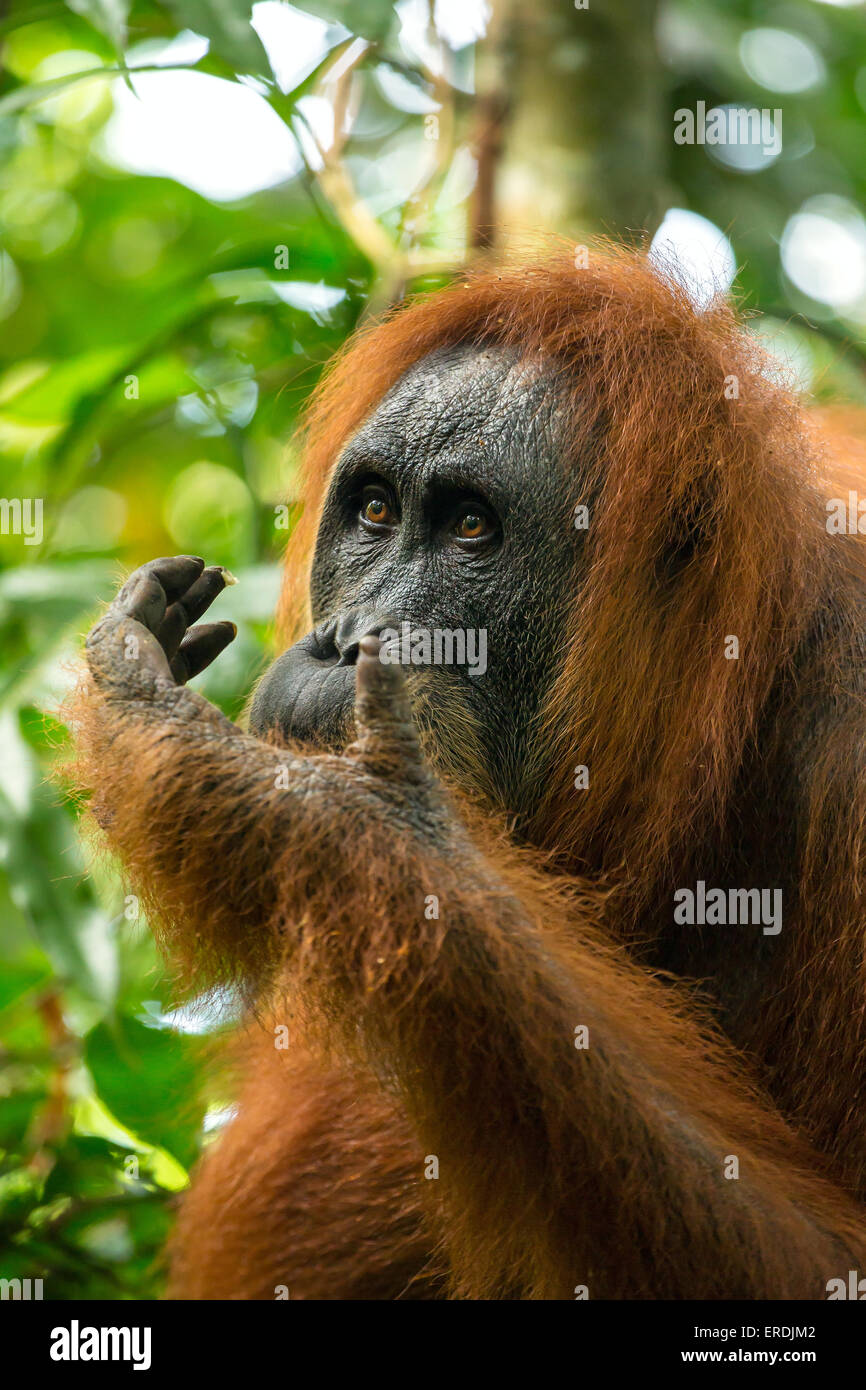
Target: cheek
[324,589]
[338,578]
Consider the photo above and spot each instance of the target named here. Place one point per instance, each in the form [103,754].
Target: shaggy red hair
[648,374]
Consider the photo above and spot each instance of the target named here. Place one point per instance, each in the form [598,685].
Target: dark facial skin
[446,509]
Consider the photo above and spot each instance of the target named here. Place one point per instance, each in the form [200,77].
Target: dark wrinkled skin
[464,424]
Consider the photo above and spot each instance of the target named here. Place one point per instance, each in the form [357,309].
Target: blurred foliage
[157,346]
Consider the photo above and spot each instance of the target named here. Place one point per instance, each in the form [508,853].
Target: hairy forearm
[236,845]
[190,805]
[526,1124]
[471,1010]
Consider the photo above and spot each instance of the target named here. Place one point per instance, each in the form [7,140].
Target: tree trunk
[571,132]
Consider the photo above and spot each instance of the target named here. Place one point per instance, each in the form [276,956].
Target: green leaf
[19,1192]
[107,16]
[18,978]
[148,1078]
[43,865]
[370,19]
[227,24]
[30,92]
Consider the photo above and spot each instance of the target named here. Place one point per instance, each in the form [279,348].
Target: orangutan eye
[473,524]
[376,508]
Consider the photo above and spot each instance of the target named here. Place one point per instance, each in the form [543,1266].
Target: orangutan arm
[559,1166]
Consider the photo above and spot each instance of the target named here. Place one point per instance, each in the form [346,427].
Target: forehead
[466,407]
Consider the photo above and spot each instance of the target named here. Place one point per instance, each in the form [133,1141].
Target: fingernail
[228,577]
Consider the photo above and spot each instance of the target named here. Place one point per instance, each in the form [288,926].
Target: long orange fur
[454,1038]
